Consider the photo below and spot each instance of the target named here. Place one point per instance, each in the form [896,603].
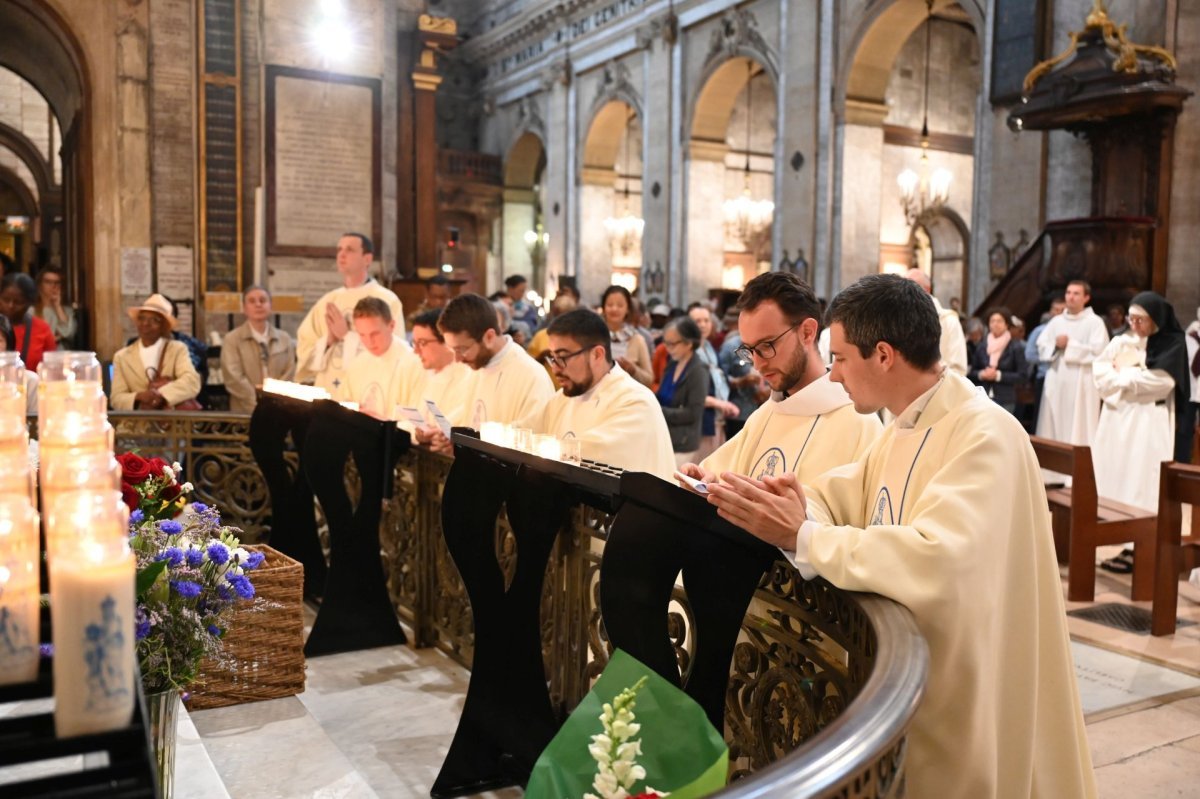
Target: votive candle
[547,446]
[92,613]
[19,628]
[75,472]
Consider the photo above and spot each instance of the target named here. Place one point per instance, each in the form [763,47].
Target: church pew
[1178,484]
[1083,521]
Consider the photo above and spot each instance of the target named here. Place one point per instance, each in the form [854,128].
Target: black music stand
[356,612]
[507,717]
[293,519]
[660,530]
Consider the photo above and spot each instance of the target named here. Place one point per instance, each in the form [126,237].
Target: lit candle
[18,590]
[12,372]
[92,613]
[492,432]
[16,478]
[69,381]
[547,447]
[75,472]
[522,439]
[296,391]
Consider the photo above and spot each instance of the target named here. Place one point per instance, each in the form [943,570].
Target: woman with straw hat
[154,373]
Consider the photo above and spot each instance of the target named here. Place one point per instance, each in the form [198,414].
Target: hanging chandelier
[925,193]
[625,231]
[746,217]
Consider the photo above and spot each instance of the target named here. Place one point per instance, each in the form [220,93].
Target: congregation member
[254,351]
[1033,361]
[515,288]
[445,380]
[684,388]
[507,384]
[1140,409]
[1193,357]
[975,333]
[1069,344]
[540,344]
[155,372]
[628,347]
[437,294]
[745,383]
[953,344]
[945,514]
[8,343]
[18,293]
[325,341]
[716,405]
[809,424]
[50,307]
[615,417]
[385,372]
[999,365]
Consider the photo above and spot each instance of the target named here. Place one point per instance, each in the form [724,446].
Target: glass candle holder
[92,613]
[19,627]
[522,439]
[546,446]
[12,371]
[17,478]
[75,472]
[572,450]
[69,381]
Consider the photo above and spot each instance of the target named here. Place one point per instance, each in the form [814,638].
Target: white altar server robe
[618,421]
[510,387]
[947,515]
[1136,432]
[809,433]
[953,344]
[448,389]
[380,382]
[1070,404]
[323,365]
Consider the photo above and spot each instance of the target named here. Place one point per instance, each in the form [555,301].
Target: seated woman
[684,388]
[998,364]
[154,373]
[34,337]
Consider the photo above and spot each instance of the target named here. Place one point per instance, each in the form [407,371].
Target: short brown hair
[793,296]
[470,314]
[372,306]
[1083,284]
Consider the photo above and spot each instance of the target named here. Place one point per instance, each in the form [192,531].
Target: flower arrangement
[615,750]
[191,570]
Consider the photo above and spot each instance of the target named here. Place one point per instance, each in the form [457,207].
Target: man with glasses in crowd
[617,419]
[507,385]
[445,381]
[809,424]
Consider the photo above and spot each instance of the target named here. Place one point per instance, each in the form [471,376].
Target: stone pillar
[862,175]
[558,181]
[705,219]
[1183,287]
[596,203]
[657,140]
[435,34]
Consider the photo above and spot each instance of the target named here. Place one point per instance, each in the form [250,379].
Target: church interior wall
[797,131]
[1183,281]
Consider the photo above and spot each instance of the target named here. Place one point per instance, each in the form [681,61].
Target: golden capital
[426,81]
[431,24]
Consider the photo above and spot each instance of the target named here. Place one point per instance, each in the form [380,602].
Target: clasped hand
[771,509]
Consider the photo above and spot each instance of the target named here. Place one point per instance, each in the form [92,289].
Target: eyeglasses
[559,360]
[418,343]
[461,352]
[763,349]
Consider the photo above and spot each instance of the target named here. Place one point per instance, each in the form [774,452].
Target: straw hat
[155,303]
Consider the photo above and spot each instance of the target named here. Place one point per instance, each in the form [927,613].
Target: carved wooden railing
[823,685]
[1114,254]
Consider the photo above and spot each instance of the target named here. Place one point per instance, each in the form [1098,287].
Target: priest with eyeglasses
[617,419]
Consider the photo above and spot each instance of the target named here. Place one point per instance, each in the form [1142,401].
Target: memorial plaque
[323,167]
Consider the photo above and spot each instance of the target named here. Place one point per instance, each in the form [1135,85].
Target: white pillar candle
[74,471]
[492,432]
[92,611]
[19,628]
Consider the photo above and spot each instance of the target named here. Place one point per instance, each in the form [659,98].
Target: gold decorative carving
[431,24]
[1116,41]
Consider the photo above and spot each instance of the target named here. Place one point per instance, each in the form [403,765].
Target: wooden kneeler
[1178,484]
[1083,521]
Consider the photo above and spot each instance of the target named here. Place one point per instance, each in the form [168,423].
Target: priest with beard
[809,424]
[945,514]
[1069,344]
[617,419]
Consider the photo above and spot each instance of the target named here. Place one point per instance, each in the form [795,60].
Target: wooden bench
[1083,521]
[1178,484]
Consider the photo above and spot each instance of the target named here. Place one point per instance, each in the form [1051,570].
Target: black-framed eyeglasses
[560,361]
[763,349]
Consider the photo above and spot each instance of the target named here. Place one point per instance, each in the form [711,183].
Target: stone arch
[27,151]
[37,43]
[950,246]
[523,225]
[721,82]
[525,157]
[605,130]
[879,34]
[13,182]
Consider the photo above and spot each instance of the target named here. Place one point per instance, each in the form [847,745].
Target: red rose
[647,795]
[134,468]
[130,497]
[170,492]
[156,467]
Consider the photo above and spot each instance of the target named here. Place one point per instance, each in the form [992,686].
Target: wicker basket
[264,646]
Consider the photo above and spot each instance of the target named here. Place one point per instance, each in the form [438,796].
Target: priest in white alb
[385,372]
[809,425]
[1070,343]
[446,382]
[953,344]
[617,420]
[508,383]
[326,341]
[946,515]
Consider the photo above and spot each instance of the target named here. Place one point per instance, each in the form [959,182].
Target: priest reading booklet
[617,419]
[945,514]
[444,381]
